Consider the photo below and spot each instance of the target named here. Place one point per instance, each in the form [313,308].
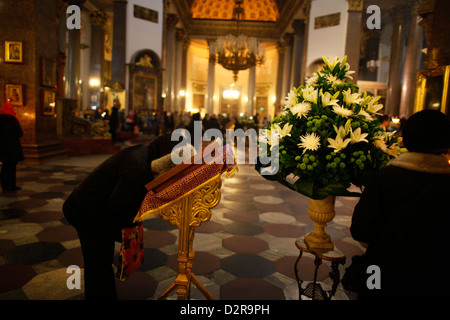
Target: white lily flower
[356,136]
[331,62]
[365,115]
[328,99]
[338,144]
[301,109]
[343,131]
[269,138]
[309,141]
[310,94]
[283,132]
[291,99]
[350,98]
[372,107]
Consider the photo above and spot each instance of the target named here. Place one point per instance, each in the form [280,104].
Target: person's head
[427,131]
[385,120]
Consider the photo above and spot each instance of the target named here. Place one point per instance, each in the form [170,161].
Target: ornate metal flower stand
[187,213]
[314,290]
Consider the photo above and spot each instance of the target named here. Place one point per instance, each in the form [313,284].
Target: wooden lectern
[184,196]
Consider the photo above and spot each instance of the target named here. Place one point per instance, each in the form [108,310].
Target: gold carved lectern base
[187,213]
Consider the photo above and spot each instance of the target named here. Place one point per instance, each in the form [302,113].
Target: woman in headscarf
[10,148]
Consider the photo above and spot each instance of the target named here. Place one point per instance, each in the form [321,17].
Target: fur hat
[427,131]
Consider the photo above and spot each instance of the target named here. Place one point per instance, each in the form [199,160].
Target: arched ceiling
[256,10]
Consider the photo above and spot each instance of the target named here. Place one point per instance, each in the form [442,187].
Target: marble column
[395,63]
[211,76]
[412,63]
[297,51]
[98,21]
[251,91]
[118,61]
[179,35]
[279,87]
[287,84]
[353,37]
[186,43]
[169,79]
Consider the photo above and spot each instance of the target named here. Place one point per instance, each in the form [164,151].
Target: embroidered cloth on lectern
[153,202]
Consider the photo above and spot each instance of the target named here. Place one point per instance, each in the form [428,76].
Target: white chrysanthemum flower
[312,80]
[291,99]
[343,112]
[309,141]
[301,109]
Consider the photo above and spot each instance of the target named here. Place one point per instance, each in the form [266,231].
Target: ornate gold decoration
[321,212]
[355,5]
[187,213]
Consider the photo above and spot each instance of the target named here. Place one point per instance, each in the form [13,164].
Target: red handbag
[131,254]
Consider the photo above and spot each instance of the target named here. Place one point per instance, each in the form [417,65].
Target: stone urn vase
[321,212]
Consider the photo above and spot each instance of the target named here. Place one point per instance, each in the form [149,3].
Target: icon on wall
[13,51]
[15,94]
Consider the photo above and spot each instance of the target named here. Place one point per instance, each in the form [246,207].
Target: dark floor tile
[12,213]
[6,245]
[72,256]
[284,230]
[58,234]
[242,216]
[243,228]
[47,195]
[158,239]
[14,276]
[27,204]
[244,265]
[42,216]
[245,244]
[33,253]
[158,224]
[209,227]
[153,258]
[250,289]
[138,286]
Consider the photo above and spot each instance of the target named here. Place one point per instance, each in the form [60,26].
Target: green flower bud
[310,167]
[297,158]
[303,166]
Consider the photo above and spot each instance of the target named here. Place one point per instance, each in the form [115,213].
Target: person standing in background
[10,148]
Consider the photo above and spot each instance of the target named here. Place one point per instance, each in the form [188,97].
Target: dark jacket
[10,134]
[109,198]
[403,216]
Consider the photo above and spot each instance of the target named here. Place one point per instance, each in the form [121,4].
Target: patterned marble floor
[245,252]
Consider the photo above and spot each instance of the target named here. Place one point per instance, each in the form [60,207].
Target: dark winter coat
[109,198]
[403,217]
[10,134]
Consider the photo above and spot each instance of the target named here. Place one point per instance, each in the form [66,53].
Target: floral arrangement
[246,120]
[328,135]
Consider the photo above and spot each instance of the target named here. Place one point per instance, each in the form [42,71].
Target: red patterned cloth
[153,202]
[132,251]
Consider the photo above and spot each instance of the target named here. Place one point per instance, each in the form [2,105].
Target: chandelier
[238,52]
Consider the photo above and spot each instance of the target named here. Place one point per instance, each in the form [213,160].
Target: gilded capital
[355,5]
[98,18]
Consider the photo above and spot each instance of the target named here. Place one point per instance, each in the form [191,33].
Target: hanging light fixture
[238,52]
